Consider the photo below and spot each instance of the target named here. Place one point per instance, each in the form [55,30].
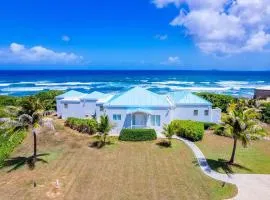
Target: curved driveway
[250,186]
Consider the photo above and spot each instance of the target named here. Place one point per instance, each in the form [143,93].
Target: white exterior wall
[89,107]
[186,112]
[58,108]
[125,122]
[75,109]
[216,115]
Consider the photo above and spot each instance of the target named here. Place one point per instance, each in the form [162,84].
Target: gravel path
[250,186]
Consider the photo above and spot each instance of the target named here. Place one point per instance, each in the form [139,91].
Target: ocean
[20,83]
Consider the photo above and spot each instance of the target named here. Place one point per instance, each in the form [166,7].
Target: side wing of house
[189,106]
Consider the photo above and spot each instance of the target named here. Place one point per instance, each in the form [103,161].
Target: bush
[8,143]
[188,129]
[266,113]
[208,125]
[137,134]
[218,100]
[164,143]
[219,130]
[88,126]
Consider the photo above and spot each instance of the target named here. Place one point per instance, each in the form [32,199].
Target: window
[206,112]
[155,120]
[101,108]
[195,112]
[66,105]
[116,117]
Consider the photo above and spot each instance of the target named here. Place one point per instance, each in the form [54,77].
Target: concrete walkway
[250,186]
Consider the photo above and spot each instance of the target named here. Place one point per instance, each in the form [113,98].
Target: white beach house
[137,108]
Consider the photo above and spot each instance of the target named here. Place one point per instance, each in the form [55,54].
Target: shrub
[165,143]
[88,126]
[188,129]
[208,125]
[266,113]
[218,100]
[219,130]
[8,143]
[137,134]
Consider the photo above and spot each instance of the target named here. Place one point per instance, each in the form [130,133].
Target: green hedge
[88,126]
[8,142]
[137,134]
[188,129]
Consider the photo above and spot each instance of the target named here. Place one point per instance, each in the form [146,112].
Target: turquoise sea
[28,82]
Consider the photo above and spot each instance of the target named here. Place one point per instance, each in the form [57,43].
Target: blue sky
[141,34]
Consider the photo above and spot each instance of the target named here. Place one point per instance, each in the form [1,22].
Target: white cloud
[172,60]
[65,38]
[164,3]
[19,54]
[225,26]
[161,37]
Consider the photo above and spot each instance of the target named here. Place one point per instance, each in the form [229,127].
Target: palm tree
[28,116]
[241,123]
[168,132]
[104,127]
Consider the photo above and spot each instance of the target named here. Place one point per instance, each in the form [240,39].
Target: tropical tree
[28,116]
[168,131]
[104,127]
[241,123]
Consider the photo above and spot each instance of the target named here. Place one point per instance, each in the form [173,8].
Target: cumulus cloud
[172,60]
[161,37]
[65,38]
[19,54]
[224,26]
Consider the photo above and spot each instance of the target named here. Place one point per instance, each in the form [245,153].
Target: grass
[253,159]
[122,170]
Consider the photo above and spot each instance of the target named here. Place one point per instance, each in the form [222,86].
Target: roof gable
[138,97]
[94,95]
[188,98]
[70,94]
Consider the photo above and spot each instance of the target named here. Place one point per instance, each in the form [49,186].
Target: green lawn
[122,170]
[253,159]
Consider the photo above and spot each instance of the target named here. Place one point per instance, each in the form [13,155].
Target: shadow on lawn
[223,165]
[164,144]
[99,144]
[19,161]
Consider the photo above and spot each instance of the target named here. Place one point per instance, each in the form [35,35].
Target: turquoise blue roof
[138,97]
[71,93]
[187,98]
[94,96]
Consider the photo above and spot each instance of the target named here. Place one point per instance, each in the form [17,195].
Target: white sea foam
[63,83]
[34,89]
[22,89]
[4,84]
[174,82]
[232,83]
[206,89]
[4,94]
[205,82]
